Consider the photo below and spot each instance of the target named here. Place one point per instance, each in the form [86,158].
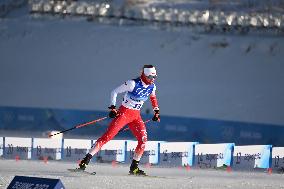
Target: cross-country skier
[136,92]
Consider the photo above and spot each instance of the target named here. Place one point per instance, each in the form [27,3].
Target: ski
[150,176]
[77,170]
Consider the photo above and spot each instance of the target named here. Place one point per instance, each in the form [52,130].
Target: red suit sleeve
[154,102]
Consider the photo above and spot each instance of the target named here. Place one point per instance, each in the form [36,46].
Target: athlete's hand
[156,116]
[113,111]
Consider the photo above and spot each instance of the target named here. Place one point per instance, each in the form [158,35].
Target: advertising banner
[278,159]
[150,155]
[213,155]
[1,146]
[75,149]
[24,182]
[114,150]
[47,148]
[17,148]
[252,156]
[177,153]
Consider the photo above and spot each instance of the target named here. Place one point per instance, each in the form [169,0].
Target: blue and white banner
[252,156]
[1,146]
[172,128]
[75,149]
[151,152]
[24,182]
[277,158]
[114,150]
[156,152]
[177,153]
[47,148]
[213,155]
[19,148]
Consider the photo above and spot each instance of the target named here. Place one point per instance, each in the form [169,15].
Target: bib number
[137,106]
[132,105]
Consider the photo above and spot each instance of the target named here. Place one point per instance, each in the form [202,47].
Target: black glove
[156,116]
[113,111]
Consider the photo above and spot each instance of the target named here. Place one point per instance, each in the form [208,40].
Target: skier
[137,92]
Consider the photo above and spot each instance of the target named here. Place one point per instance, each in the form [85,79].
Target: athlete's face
[149,75]
[151,78]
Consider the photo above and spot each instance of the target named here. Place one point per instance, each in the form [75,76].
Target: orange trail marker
[45,159]
[17,157]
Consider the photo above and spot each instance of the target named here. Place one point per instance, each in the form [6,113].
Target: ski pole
[127,128]
[80,125]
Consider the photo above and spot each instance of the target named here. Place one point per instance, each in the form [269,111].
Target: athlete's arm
[127,86]
[153,99]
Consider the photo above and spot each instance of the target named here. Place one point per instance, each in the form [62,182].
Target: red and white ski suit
[136,93]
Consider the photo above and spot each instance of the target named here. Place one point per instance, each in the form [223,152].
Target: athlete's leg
[116,124]
[138,129]
[112,130]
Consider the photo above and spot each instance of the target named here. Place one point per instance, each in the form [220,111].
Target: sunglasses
[151,77]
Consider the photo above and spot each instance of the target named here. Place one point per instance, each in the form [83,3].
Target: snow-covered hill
[74,64]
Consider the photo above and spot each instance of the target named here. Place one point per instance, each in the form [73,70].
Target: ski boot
[134,170]
[85,161]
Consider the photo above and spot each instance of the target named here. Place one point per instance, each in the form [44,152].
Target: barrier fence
[278,158]
[214,155]
[193,154]
[177,153]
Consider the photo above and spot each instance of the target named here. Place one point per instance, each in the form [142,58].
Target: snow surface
[117,177]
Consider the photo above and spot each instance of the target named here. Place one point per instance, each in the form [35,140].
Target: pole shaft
[79,126]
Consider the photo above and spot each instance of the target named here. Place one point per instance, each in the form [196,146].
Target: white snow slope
[74,64]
